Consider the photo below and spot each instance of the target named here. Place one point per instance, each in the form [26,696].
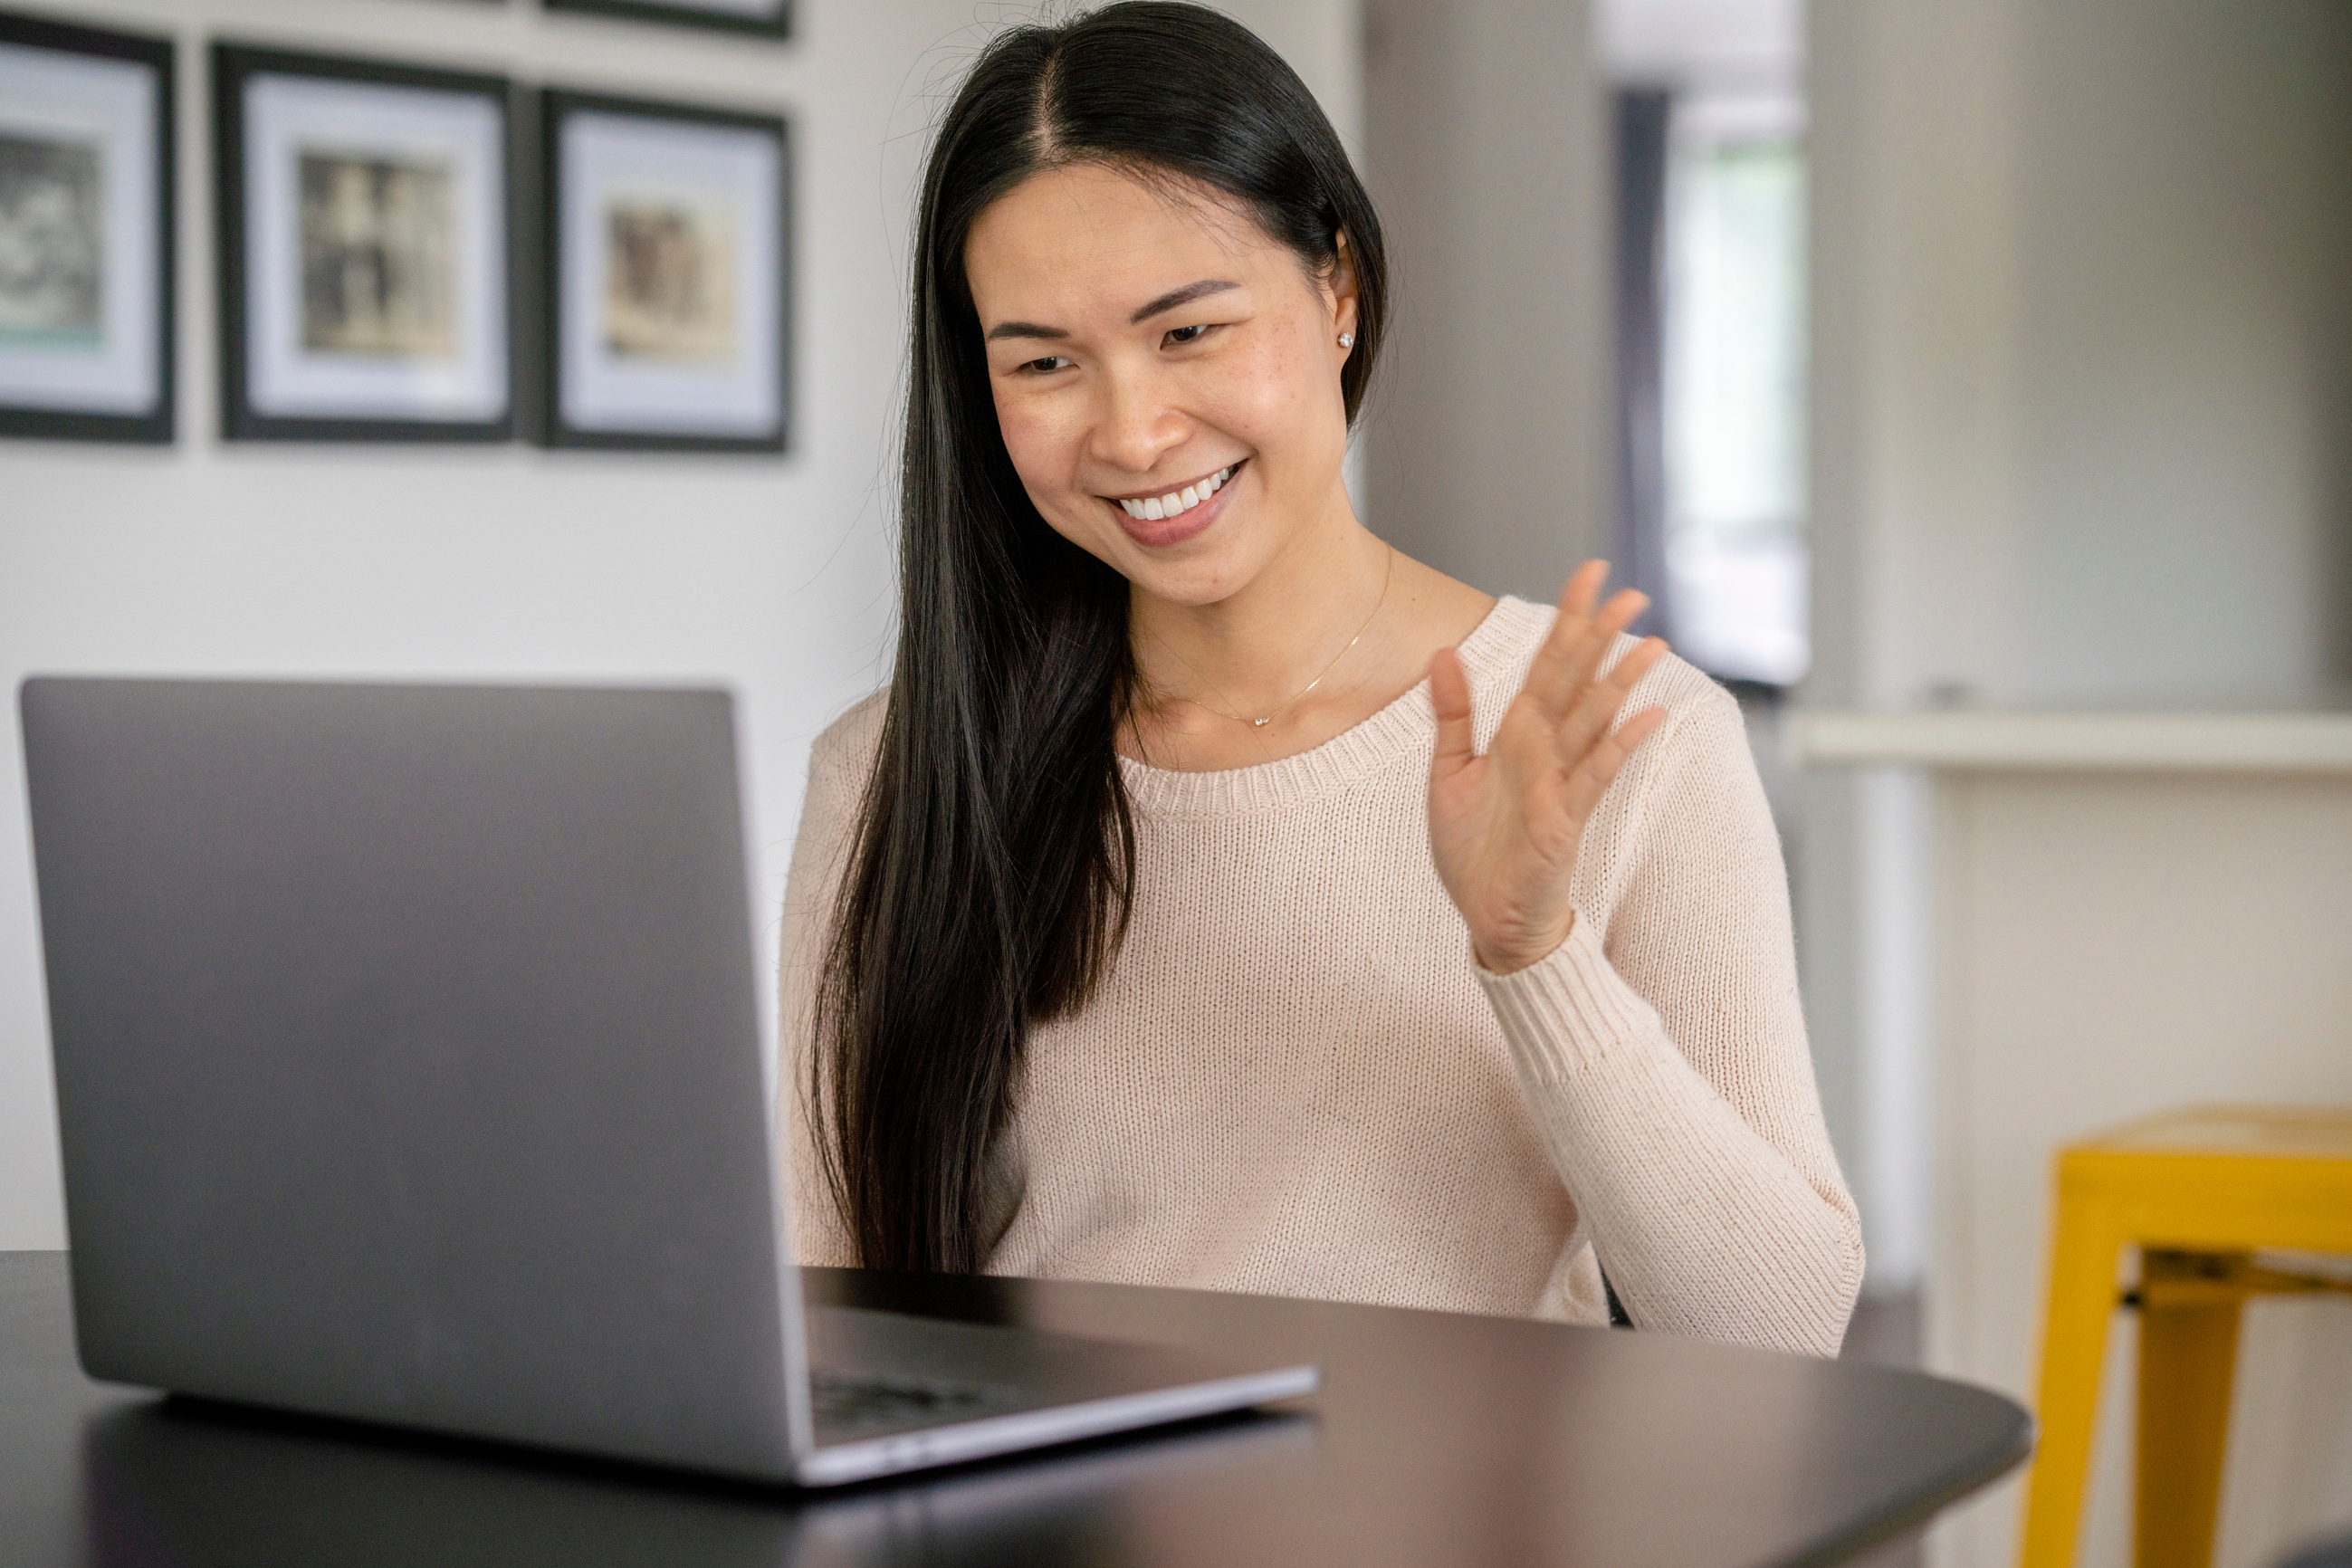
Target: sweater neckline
[1387,735]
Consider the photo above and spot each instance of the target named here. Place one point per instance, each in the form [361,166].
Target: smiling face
[1166,376]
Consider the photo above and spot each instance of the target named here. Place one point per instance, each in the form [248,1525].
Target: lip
[1185,525]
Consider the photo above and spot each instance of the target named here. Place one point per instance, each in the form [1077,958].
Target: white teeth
[1175,502]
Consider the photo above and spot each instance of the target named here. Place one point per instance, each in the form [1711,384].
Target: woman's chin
[1194,578]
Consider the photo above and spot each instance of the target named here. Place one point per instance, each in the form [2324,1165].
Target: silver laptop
[408,1069]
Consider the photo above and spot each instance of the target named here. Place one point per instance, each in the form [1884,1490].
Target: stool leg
[2083,1250]
[2187,1359]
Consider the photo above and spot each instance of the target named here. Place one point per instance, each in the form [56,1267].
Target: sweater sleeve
[839,766]
[1661,1051]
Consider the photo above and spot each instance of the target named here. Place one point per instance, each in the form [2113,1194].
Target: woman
[1217,897]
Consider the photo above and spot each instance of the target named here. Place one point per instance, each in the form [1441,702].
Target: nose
[1135,421]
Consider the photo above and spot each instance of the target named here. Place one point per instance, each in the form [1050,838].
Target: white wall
[1486,146]
[2083,436]
[1703,44]
[2082,429]
[772,575]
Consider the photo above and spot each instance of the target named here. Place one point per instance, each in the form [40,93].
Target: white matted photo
[365,247]
[667,246]
[85,233]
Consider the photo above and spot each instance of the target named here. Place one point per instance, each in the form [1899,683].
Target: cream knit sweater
[1297,1080]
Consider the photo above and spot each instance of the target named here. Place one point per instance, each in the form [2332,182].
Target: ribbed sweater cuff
[1566,1013]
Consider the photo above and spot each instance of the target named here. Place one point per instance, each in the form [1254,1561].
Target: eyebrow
[1167,301]
[1184,296]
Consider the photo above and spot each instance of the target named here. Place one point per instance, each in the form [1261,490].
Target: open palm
[1503,827]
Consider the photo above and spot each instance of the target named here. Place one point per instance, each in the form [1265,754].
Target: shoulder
[1500,653]
[843,754]
[841,763]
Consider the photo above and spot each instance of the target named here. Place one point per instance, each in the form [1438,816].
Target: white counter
[2283,743]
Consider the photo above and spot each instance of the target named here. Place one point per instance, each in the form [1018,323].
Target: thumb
[1449,695]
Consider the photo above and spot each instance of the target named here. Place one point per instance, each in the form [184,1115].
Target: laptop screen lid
[407,1058]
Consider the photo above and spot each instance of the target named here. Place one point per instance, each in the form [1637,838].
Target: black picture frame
[557,428]
[233,66]
[158,425]
[778,24]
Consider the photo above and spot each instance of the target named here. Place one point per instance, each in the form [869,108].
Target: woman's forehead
[1085,238]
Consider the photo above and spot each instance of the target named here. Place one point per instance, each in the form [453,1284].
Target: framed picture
[667,245]
[365,227]
[770,18]
[85,233]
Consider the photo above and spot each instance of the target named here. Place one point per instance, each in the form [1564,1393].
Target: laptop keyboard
[846,1405]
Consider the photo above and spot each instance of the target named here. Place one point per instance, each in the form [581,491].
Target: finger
[1624,607]
[1597,707]
[1583,589]
[1584,647]
[1556,658]
[1600,704]
[1590,778]
[1449,695]
[1621,610]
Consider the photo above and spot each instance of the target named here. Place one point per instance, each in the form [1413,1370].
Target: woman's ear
[1340,289]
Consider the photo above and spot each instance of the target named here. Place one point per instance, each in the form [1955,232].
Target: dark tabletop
[1437,1440]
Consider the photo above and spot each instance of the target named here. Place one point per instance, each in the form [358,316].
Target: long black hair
[989,877]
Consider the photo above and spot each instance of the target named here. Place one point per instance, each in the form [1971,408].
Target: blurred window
[1734,396]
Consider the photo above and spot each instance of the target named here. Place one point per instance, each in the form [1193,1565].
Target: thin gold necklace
[1387,574]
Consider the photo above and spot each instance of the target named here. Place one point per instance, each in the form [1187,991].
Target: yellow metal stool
[2197,1192]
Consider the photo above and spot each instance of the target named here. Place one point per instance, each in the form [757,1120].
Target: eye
[1188,335]
[1045,366]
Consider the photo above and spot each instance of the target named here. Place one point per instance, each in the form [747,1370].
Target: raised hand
[1503,827]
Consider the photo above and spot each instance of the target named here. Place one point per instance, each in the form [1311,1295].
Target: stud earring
[1346,339]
